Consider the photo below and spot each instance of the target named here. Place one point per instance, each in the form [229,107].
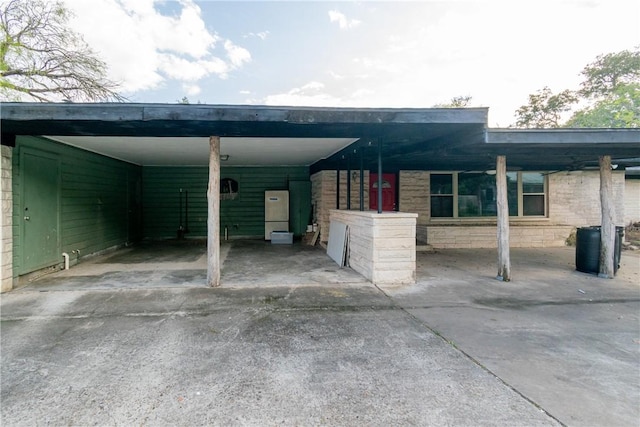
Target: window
[441,196]
[476,194]
[473,194]
[533,194]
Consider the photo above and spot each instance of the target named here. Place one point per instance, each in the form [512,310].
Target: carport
[301,141]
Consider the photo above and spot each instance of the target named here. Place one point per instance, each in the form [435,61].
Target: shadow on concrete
[259,263]
[183,263]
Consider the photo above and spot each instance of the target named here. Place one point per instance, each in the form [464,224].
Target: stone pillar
[6,219]
[213,214]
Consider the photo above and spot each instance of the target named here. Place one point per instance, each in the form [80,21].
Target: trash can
[588,249]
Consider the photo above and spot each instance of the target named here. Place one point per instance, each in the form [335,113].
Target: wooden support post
[504,257]
[380,175]
[607,228]
[361,189]
[338,186]
[349,181]
[213,214]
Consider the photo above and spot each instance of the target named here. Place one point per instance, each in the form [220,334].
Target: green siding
[243,216]
[300,206]
[95,204]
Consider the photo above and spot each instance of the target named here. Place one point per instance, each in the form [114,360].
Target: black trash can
[588,249]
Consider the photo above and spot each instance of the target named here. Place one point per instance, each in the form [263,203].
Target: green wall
[105,202]
[244,216]
[100,199]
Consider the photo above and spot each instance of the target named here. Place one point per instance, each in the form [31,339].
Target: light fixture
[224,157]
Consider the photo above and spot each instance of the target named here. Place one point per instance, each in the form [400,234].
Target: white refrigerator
[276,212]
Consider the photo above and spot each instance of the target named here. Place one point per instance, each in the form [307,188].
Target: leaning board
[336,246]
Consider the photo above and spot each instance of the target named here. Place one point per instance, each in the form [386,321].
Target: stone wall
[413,194]
[631,201]
[6,222]
[574,198]
[484,236]
[323,196]
[573,201]
[382,247]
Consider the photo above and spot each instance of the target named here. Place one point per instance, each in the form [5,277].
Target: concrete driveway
[552,347]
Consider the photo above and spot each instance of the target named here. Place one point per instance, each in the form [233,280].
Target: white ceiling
[168,151]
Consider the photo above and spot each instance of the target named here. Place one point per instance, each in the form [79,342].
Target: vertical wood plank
[338,186]
[380,175]
[504,257]
[608,228]
[349,181]
[361,189]
[213,214]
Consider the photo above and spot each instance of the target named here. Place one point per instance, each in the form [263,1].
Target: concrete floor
[292,339]
[245,263]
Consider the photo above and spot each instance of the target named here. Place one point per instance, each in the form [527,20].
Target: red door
[388,191]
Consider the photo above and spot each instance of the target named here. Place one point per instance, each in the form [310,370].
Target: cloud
[262,35]
[186,70]
[429,52]
[236,54]
[311,94]
[341,19]
[145,48]
[191,90]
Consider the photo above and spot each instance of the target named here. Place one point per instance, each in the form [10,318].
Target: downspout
[66,260]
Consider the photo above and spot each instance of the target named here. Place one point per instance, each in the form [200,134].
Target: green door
[40,216]
[299,206]
[134,200]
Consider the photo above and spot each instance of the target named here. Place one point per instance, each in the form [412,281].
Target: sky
[412,54]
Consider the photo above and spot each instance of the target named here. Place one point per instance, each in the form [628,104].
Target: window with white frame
[473,194]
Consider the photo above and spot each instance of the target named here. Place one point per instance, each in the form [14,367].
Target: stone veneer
[6,221]
[573,200]
[323,196]
[484,236]
[382,247]
[631,201]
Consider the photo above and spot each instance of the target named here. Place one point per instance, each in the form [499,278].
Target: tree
[608,72]
[545,109]
[612,86]
[42,59]
[620,110]
[456,102]
[610,94]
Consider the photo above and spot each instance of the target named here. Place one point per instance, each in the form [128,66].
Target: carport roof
[431,138]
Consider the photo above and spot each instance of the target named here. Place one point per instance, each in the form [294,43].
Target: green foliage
[621,109]
[42,59]
[608,72]
[186,101]
[611,88]
[456,102]
[545,109]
